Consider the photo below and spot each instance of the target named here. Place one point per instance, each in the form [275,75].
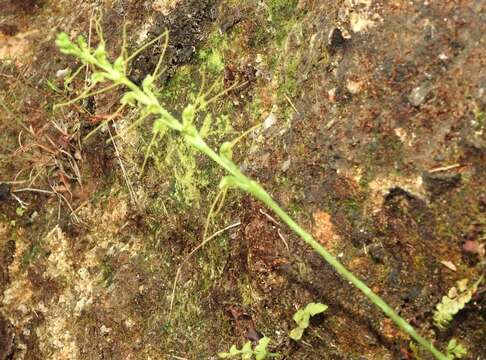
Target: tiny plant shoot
[302,318]
[143,98]
[260,351]
[456,300]
[455,350]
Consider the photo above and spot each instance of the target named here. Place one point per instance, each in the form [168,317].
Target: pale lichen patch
[80,279]
[164,6]
[17,296]
[382,185]
[361,15]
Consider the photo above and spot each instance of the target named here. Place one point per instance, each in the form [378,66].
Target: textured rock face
[6,339]
[372,137]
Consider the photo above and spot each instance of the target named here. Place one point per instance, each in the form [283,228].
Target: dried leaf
[449,264]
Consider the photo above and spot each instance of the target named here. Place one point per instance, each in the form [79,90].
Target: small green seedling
[302,318]
[20,211]
[455,301]
[455,350]
[260,351]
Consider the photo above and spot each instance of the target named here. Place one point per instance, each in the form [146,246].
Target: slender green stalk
[259,192]
[144,98]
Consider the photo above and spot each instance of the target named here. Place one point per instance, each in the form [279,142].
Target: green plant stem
[254,188]
[237,178]
[259,192]
[377,300]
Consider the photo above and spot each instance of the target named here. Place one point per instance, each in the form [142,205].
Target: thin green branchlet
[144,98]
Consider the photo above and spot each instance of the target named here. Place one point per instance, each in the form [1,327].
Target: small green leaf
[54,87]
[83,45]
[296,334]
[259,352]
[315,308]
[20,211]
[455,350]
[234,350]
[129,98]
[227,182]
[452,344]
[206,126]
[119,65]
[262,344]
[148,84]
[226,150]
[159,126]
[302,318]
[462,284]
[298,316]
[66,46]
[98,77]
[189,114]
[190,130]
[246,347]
[152,108]
[261,349]
[304,322]
[100,52]
[62,41]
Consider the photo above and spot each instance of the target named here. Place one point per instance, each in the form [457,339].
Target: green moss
[289,86]
[420,262]
[281,10]
[282,16]
[31,254]
[244,289]
[213,261]
[174,157]
[212,60]
[479,120]
[290,73]
[180,85]
[352,208]
[182,164]
[107,272]
[262,36]
[189,322]
[216,41]
[211,56]
[187,181]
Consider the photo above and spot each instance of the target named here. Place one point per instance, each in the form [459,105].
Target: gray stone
[419,94]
